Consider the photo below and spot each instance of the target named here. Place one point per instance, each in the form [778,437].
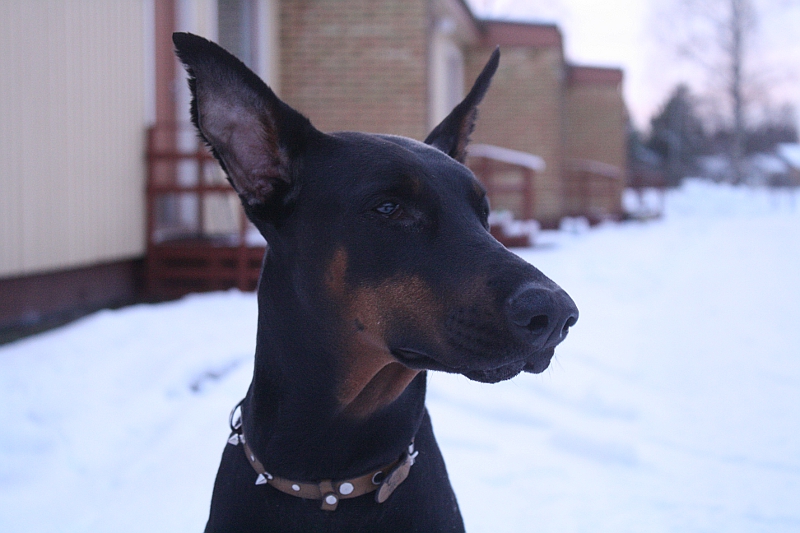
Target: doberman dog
[379,268]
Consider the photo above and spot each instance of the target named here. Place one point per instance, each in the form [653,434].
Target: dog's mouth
[535,364]
[418,360]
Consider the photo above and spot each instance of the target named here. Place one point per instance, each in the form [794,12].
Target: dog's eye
[389,209]
[484,213]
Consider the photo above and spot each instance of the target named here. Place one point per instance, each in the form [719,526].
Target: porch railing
[508,176]
[198,238]
[594,190]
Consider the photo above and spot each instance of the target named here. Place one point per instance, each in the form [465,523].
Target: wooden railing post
[187,259]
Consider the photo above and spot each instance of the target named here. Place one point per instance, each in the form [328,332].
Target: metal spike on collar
[412,455]
[261,479]
[234,439]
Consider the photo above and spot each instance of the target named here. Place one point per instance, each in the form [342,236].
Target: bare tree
[741,19]
[717,36]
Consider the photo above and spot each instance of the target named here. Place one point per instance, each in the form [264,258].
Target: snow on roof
[507,155]
[127,409]
[768,164]
[597,167]
[790,152]
[713,164]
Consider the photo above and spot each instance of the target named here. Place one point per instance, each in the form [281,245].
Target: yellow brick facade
[524,111]
[356,64]
[366,65]
[595,125]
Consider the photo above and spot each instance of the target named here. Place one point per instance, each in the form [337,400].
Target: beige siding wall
[71,133]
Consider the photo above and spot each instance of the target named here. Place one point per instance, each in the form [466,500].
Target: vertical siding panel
[10,167]
[71,133]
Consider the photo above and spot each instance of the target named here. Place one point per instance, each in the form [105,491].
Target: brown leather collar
[384,479]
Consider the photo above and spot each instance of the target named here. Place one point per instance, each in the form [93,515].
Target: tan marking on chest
[382,389]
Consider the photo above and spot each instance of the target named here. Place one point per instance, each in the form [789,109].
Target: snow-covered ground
[674,405]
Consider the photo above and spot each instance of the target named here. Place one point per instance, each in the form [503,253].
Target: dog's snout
[542,316]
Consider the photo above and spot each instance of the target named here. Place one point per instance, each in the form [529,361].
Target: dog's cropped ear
[451,136]
[252,133]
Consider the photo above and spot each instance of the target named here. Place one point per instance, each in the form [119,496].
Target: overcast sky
[639,37]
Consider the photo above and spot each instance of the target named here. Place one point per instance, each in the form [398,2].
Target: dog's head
[386,234]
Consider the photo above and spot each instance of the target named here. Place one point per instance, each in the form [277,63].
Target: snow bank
[672,406]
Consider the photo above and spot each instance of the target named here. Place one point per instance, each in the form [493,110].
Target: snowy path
[673,406]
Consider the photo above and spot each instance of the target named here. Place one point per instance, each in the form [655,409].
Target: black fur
[379,268]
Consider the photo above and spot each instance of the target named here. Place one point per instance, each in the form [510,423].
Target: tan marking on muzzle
[371,378]
[335,274]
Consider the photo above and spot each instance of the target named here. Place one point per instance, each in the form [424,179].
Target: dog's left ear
[254,135]
[451,136]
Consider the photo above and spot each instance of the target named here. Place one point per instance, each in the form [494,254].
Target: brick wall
[595,125]
[357,64]
[363,65]
[524,107]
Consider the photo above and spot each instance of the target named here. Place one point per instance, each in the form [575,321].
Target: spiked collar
[384,480]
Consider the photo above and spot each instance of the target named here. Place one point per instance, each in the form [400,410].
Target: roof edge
[511,33]
[591,75]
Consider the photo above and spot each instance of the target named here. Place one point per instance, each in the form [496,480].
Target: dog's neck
[309,414]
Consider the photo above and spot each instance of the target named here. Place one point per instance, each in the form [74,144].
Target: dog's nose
[542,316]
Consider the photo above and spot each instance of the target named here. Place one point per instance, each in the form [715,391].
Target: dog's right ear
[252,133]
[451,136]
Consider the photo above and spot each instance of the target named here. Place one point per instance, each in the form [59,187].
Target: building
[85,81]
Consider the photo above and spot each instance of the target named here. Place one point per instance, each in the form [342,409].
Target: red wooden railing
[188,250]
[508,177]
[594,190]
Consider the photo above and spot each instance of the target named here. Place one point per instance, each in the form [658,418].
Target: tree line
[719,37]
[679,136]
